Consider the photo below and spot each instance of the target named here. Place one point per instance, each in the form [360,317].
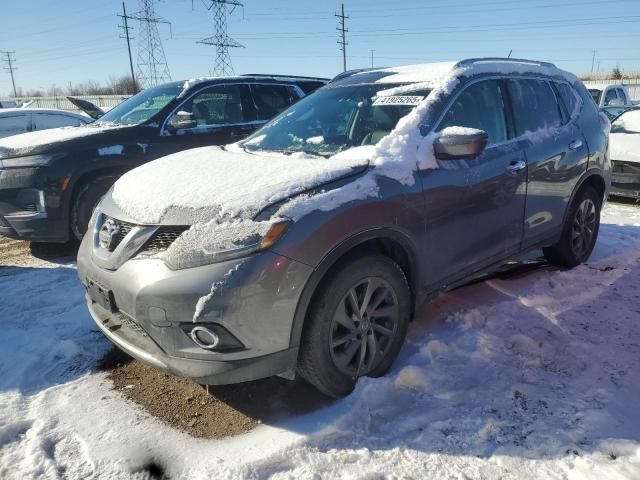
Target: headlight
[28,161]
[217,242]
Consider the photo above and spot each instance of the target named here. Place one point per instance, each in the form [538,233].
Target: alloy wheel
[363,326]
[583,228]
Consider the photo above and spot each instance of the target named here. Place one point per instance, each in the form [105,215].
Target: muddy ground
[220,412]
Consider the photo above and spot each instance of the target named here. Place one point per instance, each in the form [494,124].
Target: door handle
[575,144]
[514,167]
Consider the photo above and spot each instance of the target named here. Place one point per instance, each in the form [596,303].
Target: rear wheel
[580,230]
[85,201]
[356,326]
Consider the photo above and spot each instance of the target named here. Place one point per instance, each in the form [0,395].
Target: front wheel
[356,325]
[580,231]
[85,201]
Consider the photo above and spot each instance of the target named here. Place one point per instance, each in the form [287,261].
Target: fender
[330,260]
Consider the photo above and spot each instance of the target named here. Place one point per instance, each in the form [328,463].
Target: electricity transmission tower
[9,60]
[221,40]
[342,41]
[152,63]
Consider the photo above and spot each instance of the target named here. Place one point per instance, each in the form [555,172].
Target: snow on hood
[206,183]
[30,140]
[625,146]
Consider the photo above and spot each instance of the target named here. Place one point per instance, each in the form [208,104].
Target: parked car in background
[51,181]
[14,121]
[624,144]
[306,247]
[8,104]
[610,95]
[613,112]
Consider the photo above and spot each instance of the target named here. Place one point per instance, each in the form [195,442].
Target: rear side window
[43,121]
[610,96]
[270,100]
[570,98]
[535,106]
[479,106]
[310,86]
[12,125]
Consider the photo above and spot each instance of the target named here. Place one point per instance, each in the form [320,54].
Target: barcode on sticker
[398,100]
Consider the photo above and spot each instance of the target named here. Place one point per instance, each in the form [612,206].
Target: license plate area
[101,295]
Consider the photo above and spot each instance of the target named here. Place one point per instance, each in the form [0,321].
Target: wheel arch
[593,177]
[387,242]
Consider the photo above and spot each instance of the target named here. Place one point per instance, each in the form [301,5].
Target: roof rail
[348,73]
[472,61]
[274,75]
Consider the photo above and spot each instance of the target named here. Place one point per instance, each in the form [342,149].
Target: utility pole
[152,63]
[9,60]
[221,39]
[126,28]
[372,50]
[342,28]
[510,52]
[593,60]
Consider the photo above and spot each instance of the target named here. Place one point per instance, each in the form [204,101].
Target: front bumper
[23,209]
[625,179]
[155,307]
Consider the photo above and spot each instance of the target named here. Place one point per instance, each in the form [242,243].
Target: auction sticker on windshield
[398,100]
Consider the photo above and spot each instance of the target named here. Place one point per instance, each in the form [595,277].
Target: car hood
[624,147]
[49,141]
[208,183]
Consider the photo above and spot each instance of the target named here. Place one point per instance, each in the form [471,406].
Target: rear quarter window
[13,124]
[570,98]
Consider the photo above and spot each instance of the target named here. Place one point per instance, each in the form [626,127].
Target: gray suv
[305,248]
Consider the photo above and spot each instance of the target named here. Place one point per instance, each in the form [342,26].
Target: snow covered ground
[535,376]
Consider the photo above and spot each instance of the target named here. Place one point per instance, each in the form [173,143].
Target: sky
[73,41]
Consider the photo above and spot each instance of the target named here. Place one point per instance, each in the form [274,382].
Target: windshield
[335,119]
[595,94]
[141,107]
[628,122]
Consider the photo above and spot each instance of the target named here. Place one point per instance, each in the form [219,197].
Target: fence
[103,101]
[632,84]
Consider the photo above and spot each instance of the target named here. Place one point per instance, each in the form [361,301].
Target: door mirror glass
[460,143]
[182,120]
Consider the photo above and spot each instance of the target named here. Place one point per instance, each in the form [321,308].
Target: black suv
[50,181]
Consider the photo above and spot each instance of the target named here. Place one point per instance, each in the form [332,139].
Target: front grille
[162,239]
[131,324]
[123,228]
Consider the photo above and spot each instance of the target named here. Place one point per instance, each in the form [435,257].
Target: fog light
[204,338]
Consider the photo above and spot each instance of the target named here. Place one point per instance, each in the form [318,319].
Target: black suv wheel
[85,201]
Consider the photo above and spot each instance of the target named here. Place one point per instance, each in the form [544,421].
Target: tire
[334,327]
[85,200]
[580,230]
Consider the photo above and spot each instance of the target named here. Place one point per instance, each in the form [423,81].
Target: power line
[9,60]
[221,39]
[343,31]
[125,29]
[153,68]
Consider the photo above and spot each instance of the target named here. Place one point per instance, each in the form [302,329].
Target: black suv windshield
[141,107]
[337,118]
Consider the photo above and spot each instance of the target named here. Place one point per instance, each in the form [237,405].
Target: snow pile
[205,183]
[535,376]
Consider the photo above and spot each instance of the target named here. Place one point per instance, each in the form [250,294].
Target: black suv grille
[162,239]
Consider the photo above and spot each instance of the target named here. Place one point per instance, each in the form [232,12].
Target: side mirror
[182,120]
[460,143]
